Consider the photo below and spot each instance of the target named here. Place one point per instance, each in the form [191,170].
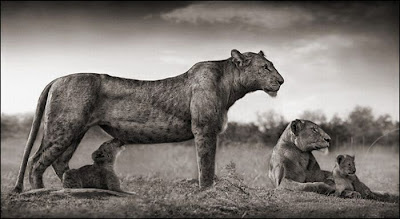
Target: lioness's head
[346,164]
[308,136]
[256,72]
[107,154]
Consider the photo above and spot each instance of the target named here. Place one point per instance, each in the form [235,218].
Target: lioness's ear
[239,59]
[296,126]
[339,158]
[261,53]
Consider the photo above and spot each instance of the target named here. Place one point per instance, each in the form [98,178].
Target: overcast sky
[333,56]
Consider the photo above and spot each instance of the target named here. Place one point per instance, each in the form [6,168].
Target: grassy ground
[158,173]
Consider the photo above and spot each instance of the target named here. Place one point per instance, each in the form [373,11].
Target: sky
[332,55]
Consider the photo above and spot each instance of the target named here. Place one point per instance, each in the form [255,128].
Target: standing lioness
[191,105]
[293,166]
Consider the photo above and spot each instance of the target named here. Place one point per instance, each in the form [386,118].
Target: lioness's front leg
[206,147]
[318,187]
[206,123]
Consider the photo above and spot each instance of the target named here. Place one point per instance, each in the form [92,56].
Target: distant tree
[389,129]
[362,125]
[316,116]
[384,122]
[242,133]
[9,125]
[271,125]
[338,130]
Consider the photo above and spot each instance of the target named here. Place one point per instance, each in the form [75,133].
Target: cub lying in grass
[100,175]
[347,183]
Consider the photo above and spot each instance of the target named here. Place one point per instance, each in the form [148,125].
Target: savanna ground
[160,175]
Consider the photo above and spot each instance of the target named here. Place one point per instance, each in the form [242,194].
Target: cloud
[324,43]
[255,14]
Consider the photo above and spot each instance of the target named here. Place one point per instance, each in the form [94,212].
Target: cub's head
[256,72]
[346,164]
[107,154]
[308,136]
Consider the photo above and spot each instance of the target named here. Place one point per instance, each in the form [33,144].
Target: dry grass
[158,173]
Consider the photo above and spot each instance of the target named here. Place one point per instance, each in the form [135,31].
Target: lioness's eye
[267,68]
[314,129]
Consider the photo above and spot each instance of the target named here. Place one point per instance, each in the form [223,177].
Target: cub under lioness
[100,175]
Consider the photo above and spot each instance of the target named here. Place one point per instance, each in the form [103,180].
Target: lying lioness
[293,166]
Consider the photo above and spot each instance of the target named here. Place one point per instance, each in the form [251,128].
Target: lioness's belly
[154,131]
[145,112]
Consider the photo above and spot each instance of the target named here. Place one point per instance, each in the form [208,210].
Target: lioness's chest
[300,160]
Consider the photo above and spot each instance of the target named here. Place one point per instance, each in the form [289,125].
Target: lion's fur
[191,105]
[293,166]
[100,174]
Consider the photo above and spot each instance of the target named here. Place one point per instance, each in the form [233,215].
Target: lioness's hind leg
[51,151]
[33,160]
[61,164]
[45,159]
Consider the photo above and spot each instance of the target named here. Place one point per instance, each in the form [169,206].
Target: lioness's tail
[19,185]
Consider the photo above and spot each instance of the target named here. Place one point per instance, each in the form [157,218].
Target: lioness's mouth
[321,147]
[272,93]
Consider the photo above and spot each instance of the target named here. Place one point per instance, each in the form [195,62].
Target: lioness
[191,105]
[100,175]
[293,166]
[347,183]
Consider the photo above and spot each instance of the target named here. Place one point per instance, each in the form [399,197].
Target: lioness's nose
[280,80]
[327,139]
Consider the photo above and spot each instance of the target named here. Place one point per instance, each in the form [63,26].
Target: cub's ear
[239,59]
[339,159]
[261,53]
[98,156]
[296,126]
[352,157]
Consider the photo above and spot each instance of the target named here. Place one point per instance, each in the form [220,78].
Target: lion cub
[100,175]
[347,183]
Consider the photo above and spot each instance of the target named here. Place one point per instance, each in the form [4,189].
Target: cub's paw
[352,194]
